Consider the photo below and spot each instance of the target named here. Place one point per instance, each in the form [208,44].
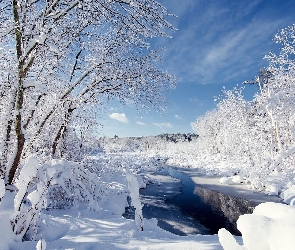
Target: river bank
[237,190]
[186,202]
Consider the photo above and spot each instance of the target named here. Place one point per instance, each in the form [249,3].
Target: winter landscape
[226,183]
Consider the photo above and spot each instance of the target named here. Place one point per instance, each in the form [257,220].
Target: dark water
[184,208]
[212,209]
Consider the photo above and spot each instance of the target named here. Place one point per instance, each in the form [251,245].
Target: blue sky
[219,43]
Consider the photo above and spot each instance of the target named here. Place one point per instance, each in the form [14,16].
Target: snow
[100,225]
[237,179]
[28,172]
[2,188]
[6,210]
[228,187]
[226,180]
[97,225]
[53,47]
[83,229]
[273,189]
[41,38]
[38,85]
[36,195]
[5,232]
[288,195]
[270,227]
[135,200]
[41,245]
[227,241]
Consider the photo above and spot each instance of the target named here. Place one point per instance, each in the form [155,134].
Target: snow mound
[226,180]
[52,229]
[227,241]
[273,189]
[270,227]
[288,196]
[235,179]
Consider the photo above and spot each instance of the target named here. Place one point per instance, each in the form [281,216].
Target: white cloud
[119,117]
[163,125]
[141,123]
[178,117]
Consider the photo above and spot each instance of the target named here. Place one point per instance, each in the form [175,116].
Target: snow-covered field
[102,226]
[81,228]
[71,229]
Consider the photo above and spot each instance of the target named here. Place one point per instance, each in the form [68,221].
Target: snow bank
[236,179]
[273,189]
[288,196]
[270,227]
[226,180]
[6,209]
[227,241]
[5,231]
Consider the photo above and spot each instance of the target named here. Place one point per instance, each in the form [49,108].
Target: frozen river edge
[162,197]
[237,190]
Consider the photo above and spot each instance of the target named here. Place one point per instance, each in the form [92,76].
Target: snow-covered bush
[72,183]
[56,184]
[270,227]
[29,200]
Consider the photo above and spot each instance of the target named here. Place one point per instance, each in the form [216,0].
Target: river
[183,208]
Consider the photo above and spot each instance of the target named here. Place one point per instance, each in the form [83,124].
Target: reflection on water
[212,209]
[231,207]
[170,217]
[184,208]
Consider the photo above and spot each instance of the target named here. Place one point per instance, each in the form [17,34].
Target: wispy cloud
[119,117]
[197,101]
[163,125]
[182,8]
[141,123]
[220,41]
[178,117]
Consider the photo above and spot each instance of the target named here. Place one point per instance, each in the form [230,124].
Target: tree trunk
[61,132]
[56,139]
[20,138]
[4,153]
[7,135]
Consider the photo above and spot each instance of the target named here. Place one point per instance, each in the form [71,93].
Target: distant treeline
[133,144]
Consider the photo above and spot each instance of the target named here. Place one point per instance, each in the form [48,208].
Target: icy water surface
[212,209]
[183,208]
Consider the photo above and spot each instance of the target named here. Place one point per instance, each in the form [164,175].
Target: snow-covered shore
[238,190]
[92,231]
[106,229]
[82,228]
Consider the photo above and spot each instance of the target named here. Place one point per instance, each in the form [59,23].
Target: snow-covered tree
[61,59]
[259,132]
